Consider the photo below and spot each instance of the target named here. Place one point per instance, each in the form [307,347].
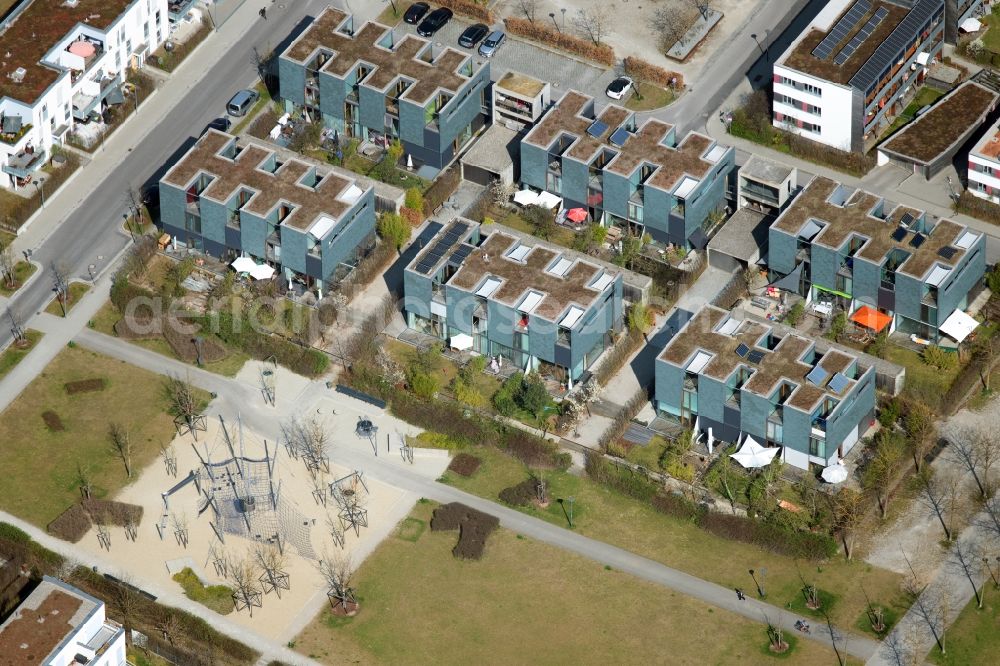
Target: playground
[276,519]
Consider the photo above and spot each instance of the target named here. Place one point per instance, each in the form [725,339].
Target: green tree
[414,199]
[541,220]
[533,396]
[639,319]
[387,166]
[882,470]
[393,229]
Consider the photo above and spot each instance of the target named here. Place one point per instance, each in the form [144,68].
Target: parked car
[416,12]
[492,43]
[618,87]
[434,21]
[241,102]
[222,124]
[473,35]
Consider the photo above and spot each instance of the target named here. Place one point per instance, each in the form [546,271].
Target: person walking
[740,595]
[263,13]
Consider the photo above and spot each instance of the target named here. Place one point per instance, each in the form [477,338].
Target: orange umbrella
[577,214]
[871,318]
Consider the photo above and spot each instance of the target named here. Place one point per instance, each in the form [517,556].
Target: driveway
[562,72]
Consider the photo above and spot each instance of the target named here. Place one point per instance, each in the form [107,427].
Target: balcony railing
[770,195]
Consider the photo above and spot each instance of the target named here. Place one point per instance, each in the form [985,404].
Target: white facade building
[844,79]
[60,62]
[984,167]
[58,625]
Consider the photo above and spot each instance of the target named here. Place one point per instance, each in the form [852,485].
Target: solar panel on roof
[842,29]
[817,375]
[597,129]
[899,234]
[838,383]
[461,227]
[742,350]
[906,220]
[424,267]
[896,44]
[947,252]
[756,356]
[619,137]
[917,240]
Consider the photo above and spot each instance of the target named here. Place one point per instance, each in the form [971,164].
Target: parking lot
[562,72]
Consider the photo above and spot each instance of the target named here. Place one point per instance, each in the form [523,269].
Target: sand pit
[296,513]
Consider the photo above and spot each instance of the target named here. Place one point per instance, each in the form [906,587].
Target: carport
[740,242]
[491,157]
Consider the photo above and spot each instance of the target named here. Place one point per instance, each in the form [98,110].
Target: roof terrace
[841,213]
[716,344]
[508,269]
[35,31]
[232,168]
[389,56]
[47,617]
[634,148]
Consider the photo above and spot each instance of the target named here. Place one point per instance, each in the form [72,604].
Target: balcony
[24,163]
[520,109]
[765,194]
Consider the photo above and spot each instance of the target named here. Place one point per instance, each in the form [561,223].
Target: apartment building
[959,11]
[983,172]
[62,62]
[227,198]
[520,100]
[498,292]
[376,84]
[624,173]
[854,249]
[58,625]
[854,69]
[731,377]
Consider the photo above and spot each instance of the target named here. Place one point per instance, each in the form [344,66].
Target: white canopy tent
[461,342]
[835,473]
[970,25]
[959,325]
[548,200]
[261,272]
[525,197]
[243,264]
[752,454]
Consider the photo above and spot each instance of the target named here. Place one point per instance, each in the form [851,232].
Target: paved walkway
[235,397]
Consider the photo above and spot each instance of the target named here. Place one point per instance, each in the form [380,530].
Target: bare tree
[849,510]
[593,22]
[135,202]
[60,284]
[966,558]
[274,564]
[126,601]
[882,470]
[501,192]
[7,263]
[307,439]
[939,493]
[244,574]
[529,7]
[920,426]
[83,479]
[184,405]
[977,450]
[990,522]
[338,572]
[671,22]
[17,326]
[121,445]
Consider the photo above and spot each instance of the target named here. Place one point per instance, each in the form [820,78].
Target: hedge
[469,8]
[261,346]
[601,53]
[440,190]
[647,71]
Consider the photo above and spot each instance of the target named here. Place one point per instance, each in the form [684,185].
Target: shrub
[679,469]
[70,525]
[445,418]
[534,451]
[937,357]
[441,189]
[393,229]
[505,399]
[639,318]
[879,347]
[838,326]
[414,199]
[640,70]
[622,478]
[794,314]
[437,440]
[890,413]
[467,394]
[464,465]
[533,397]
[539,32]
[412,217]
[52,421]
[616,357]
[520,495]
[422,384]
[473,528]
[85,385]
[469,8]
[218,598]
[622,419]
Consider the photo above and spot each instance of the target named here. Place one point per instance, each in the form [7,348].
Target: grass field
[13,355]
[73,296]
[923,382]
[653,97]
[22,271]
[604,514]
[218,598]
[40,466]
[525,602]
[973,636]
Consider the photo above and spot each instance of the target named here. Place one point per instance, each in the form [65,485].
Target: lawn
[927,95]
[218,598]
[391,17]
[262,101]
[524,602]
[604,514]
[653,97]
[923,382]
[991,38]
[13,355]
[22,271]
[973,636]
[40,464]
[73,296]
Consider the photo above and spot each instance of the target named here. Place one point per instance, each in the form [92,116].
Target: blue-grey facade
[855,249]
[371,83]
[499,293]
[226,199]
[626,174]
[740,377]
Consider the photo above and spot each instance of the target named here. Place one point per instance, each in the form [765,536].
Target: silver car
[492,43]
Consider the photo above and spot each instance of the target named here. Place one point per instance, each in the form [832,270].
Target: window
[553,182]
[844,284]
[192,222]
[689,400]
[634,211]
[816,446]
[774,432]
[45,112]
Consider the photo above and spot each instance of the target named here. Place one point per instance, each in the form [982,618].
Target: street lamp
[569,514]
[552,15]
[41,190]
[759,583]
[763,50]
[563,10]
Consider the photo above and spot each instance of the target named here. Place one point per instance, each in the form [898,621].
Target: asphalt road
[91,233]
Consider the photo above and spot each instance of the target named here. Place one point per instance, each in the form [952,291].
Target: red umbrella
[576,214]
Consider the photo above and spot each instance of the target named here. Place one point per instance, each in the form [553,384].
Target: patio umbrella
[871,318]
[461,342]
[576,214]
[243,264]
[752,454]
[835,473]
[525,197]
[959,325]
[548,200]
[261,272]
